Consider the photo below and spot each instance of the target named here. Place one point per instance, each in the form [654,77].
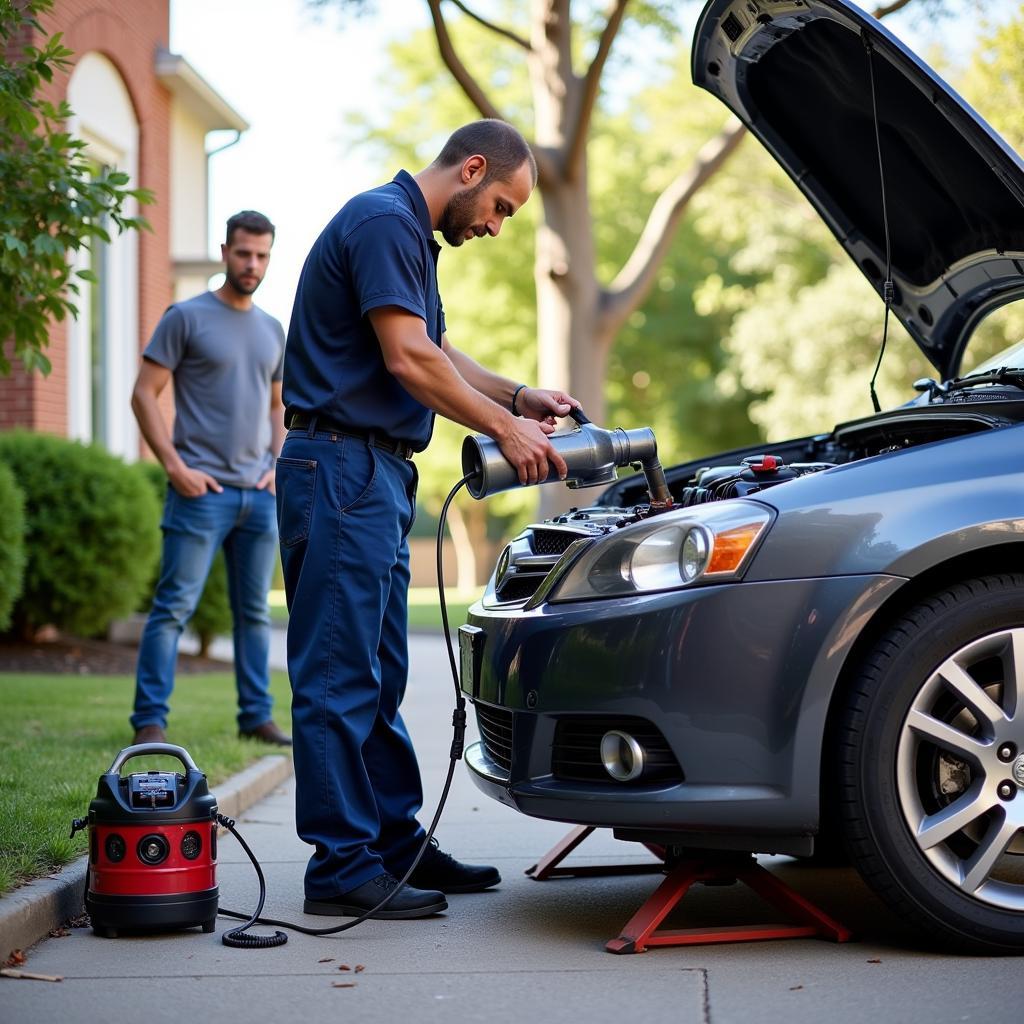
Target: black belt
[300,421]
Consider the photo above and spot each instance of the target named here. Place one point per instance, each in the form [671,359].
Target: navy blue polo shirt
[378,250]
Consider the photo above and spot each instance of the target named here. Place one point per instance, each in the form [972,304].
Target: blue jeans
[243,521]
[344,512]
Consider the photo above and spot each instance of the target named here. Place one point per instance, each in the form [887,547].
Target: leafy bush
[212,617]
[91,532]
[12,543]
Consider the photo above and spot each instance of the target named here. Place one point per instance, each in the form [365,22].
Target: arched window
[103,344]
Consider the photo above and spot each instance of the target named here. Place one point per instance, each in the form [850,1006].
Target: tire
[930,752]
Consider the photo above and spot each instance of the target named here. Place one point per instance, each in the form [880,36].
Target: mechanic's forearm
[154,430]
[496,387]
[435,381]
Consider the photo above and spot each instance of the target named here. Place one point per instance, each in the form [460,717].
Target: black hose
[237,936]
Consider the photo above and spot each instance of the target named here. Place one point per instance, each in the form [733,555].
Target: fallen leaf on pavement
[16,958]
[326,960]
[344,967]
[360,967]
[795,988]
[343,984]
[874,961]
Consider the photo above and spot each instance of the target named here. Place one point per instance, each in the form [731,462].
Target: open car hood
[796,73]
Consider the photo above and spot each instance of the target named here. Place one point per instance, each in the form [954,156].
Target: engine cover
[755,473]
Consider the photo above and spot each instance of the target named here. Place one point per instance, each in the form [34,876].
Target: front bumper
[737,677]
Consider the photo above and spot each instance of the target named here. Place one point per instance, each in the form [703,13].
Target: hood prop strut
[887,288]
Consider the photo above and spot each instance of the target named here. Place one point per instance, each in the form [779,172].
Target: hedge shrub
[12,544]
[213,614]
[91,533]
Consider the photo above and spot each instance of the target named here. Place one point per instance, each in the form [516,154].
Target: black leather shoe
[440,870]
[149,734]
[406,903]
[268,732]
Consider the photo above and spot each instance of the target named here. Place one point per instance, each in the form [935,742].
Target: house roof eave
[196,95]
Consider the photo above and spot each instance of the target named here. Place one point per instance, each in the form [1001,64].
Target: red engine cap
[767,464]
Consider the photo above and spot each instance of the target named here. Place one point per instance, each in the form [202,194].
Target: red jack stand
[641,931]
[548,865]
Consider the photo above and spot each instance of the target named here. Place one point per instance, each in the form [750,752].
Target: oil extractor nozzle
[591,453]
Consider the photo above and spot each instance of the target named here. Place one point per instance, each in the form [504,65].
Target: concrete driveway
[526,952]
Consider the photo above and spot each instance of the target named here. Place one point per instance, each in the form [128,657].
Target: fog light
[153,849]
[622,756]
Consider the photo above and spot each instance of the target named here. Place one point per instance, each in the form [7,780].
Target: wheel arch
[986,561]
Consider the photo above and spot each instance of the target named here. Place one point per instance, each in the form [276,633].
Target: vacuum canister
[152,847]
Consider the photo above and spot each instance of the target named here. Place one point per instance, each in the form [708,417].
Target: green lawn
[59,733]
[424,609]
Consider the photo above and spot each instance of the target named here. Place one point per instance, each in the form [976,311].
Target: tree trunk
[571,353]
[469,538]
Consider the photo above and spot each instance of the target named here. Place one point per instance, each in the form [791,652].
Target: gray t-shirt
[223,361]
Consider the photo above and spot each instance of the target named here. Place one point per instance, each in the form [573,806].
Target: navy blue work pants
[344,512]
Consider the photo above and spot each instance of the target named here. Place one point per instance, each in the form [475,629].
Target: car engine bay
[527,561]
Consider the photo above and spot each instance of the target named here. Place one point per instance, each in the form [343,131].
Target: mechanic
[367,366]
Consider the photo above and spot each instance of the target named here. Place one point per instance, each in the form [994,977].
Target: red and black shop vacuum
[152,847]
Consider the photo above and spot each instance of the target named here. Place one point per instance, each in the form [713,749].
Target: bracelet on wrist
[515,395]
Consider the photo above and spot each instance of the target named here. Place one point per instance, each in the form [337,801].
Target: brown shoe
[268,732]
[149,734]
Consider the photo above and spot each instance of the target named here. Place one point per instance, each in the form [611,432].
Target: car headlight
[706,544]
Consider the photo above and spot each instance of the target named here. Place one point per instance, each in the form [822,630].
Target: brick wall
[127,34]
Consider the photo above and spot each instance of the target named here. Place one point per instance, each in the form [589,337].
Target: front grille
[519,588]
[495,725]
[552,542]
[576,755]
[527,561]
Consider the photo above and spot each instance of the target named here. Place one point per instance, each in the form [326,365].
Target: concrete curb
[31,912]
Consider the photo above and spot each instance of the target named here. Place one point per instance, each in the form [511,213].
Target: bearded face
[246,258]
[459,214]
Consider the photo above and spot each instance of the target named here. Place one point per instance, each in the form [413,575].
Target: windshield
[1012,358]
[998,341]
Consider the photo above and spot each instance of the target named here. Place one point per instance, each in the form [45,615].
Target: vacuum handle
[153,748]
[578,415]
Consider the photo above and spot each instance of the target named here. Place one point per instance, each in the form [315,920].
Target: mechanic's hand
[192,483]
[527,447]
[543,405]
[266,482]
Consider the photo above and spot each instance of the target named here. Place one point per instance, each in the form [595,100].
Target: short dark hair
[504,148]
[251,221]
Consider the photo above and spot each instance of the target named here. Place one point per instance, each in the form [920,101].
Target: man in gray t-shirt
[224,356]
